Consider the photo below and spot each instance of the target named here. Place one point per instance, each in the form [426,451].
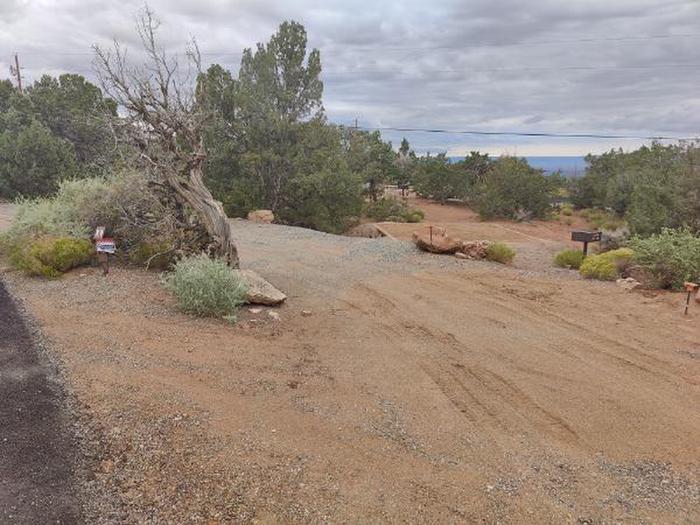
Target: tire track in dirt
[477,392]
[586,334]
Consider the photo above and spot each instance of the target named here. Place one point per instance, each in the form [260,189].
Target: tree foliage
[512,189]
[56,130]
[270,145]
[653,187]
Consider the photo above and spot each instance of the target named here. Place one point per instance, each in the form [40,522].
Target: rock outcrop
[259,290]
[369,231]
[261,216]
[435,240]
[474,249]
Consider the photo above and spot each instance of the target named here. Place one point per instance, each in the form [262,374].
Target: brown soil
[421,388]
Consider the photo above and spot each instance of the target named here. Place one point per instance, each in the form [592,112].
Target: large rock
[259,290]
[263,216]
[628,283]
[369,231]
[436,241]
[474,249]
[643,276]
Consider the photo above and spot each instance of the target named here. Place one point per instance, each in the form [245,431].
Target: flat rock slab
[259,290]
[36,446]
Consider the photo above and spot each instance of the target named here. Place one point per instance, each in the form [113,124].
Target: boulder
[643,276]
[437,242]
[259,290]
[261,216]
[474,249]
[369,231]
[628,283]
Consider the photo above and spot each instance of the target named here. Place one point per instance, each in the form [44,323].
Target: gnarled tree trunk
[165,118]
[210,213]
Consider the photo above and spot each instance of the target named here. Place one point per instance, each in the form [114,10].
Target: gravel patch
[340,260]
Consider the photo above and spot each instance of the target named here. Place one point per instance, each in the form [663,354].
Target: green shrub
[206,287]
[672,256]
[393,210]
[606,266]
[567,209]
[50,256]
[500,253]
[569,259]
[415,215]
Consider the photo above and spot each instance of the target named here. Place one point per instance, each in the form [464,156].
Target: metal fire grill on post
[585,237]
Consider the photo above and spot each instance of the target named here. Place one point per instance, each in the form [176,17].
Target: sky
[624,67]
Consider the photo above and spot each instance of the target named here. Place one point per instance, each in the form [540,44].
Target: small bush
[50,257]
[500,253]
[672,256]
[606,266]
[415,215]
[393,210]
[567,209]
[569,259]
[614,239]
[206,287]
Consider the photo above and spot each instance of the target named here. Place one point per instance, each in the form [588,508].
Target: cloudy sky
[628,67]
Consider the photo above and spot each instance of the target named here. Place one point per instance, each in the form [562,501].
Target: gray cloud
[454,64]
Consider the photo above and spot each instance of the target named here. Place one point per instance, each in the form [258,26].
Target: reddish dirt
[419,389]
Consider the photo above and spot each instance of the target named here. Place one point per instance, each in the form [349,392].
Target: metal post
[585,248]
[687,302]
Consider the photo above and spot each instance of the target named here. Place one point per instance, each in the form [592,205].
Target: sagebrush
[206,287]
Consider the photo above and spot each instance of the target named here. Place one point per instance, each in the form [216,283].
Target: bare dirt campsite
[393,385]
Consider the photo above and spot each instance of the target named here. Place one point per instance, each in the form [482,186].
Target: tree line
[266,143]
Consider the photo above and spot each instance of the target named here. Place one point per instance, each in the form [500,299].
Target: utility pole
[18,73]
[356,124]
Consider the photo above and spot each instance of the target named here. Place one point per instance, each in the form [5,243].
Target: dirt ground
[395,387]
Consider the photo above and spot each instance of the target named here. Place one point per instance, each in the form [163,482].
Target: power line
[526,68]
[364,47]
[526,133]
[534,42]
